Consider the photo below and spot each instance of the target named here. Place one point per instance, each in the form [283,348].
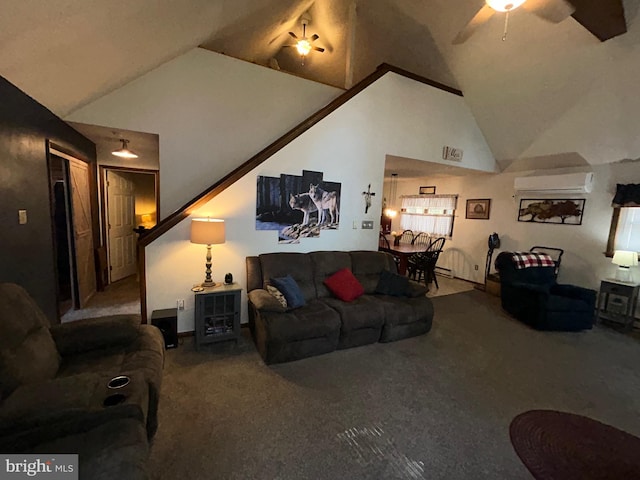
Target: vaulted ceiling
[66,53]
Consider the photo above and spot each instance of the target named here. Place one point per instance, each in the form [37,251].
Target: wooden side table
[617,302]
[217,316]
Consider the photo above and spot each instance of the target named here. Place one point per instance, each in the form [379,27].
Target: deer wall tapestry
[560,211]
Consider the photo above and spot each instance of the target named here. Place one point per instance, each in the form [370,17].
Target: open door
[82,231]
[121,238]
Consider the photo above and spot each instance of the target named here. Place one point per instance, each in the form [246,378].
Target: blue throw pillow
[291,291]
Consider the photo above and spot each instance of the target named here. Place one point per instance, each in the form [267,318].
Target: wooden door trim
[53,148]
[103,199]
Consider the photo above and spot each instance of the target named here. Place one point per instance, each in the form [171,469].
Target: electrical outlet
[180,303]
[475,267]
[367,224]
[22,217]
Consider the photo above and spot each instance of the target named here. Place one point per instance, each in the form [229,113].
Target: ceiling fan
[304,44]
[554,11]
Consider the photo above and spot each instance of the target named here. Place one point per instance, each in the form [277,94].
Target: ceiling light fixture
[554,11]
[303,44]
[504,5]
[124,152]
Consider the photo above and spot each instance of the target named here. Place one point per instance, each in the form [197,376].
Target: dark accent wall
[26,251]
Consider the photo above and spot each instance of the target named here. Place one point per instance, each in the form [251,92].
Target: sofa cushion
[405,317]
[367,266]
[344,285]
[314,320]
[291,291]
[326,264]
[27,351]
[298,265]
[393,284]
[262,300]
[364,312]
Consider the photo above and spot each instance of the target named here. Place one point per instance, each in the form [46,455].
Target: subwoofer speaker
[167,321]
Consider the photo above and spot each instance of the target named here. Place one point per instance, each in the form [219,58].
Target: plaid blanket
[532,259]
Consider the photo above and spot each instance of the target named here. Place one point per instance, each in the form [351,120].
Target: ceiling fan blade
[554,11]
[293,35]
[318,49]
[314,37]
[484,14]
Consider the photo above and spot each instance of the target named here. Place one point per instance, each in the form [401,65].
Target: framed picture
[427,190]
[478,208]
[559,211]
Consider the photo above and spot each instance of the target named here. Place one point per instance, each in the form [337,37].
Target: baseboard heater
[445,272]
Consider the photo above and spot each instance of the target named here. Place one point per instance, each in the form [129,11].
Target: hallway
[121,297]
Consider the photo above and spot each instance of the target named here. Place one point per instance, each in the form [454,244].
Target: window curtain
[627,195]
[432,214]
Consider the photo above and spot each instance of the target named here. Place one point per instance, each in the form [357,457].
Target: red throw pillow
[344,285]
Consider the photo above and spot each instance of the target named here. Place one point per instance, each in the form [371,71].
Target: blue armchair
[532,296]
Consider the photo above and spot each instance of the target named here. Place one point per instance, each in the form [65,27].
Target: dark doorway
[62,237]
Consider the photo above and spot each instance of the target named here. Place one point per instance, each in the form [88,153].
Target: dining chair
[421,239]
[424,263]
[406,237]
[383,242]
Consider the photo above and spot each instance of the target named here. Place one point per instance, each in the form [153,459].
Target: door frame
[53,148]
[104,214]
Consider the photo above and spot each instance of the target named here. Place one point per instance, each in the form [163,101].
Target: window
[625,230]
[432,214]
[624,233]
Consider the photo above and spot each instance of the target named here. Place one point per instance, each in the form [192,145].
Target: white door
[120,217]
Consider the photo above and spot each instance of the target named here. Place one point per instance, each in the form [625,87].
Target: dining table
[402,251]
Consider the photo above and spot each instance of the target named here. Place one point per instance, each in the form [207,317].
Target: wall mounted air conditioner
[569,183]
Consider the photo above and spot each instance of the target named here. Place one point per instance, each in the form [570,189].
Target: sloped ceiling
[66,53]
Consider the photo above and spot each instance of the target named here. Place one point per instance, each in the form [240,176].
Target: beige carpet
[118,298]
[437,406]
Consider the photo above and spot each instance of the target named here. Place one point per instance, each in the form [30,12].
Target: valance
[627,195]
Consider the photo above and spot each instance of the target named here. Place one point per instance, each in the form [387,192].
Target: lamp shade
[625,258]
[207,231]
[124,152]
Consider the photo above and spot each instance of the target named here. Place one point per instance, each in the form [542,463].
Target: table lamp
[624,260]
[207,231]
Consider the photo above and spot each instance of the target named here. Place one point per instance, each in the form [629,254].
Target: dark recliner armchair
[532,296]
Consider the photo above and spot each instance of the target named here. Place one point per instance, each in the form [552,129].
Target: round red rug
[564,446]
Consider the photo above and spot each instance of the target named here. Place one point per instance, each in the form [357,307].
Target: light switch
[367,224]
[355,224]
[22,217]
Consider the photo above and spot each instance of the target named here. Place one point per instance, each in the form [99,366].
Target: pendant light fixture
[124,152]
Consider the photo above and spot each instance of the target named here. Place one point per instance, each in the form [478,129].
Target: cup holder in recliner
[118,382]
[114,399]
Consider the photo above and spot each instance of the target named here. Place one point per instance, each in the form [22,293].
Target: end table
[617,302]
[217,316]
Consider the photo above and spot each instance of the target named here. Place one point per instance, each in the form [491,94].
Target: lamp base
[623,274]
[210,284]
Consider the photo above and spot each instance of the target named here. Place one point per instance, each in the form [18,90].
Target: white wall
[583,262]
[211,112]
[393,115]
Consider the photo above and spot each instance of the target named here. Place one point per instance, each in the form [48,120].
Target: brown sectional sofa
[54,396]
[326,323]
